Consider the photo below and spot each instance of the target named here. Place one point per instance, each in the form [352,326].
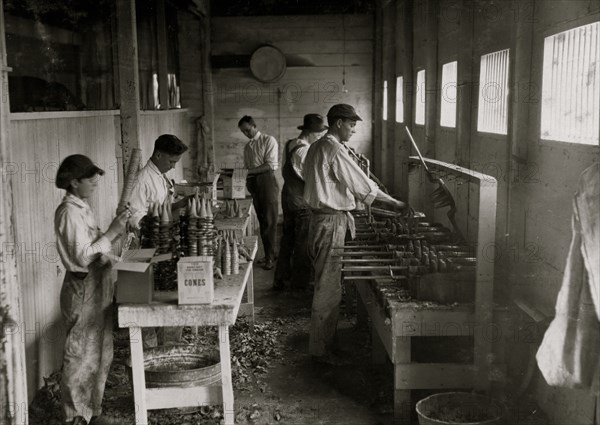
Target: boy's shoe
[104,420]
[79,420]
[268,264]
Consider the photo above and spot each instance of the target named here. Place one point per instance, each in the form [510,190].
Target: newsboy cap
[75,167]
[343,110]
[313,123]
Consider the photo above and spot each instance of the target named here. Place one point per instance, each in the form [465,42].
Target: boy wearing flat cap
[332,183]
[293,263]
[87,291]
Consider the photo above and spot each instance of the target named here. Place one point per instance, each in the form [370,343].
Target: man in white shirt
[332,183]
[153,186]
[293,264]
[261,158]
[86,293]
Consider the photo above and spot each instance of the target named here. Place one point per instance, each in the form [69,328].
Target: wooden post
[465,84]
[377,88]
[206,155]
[161,39]
[128,78]
[13,378]
[431,78]
[390,75]
[404,66]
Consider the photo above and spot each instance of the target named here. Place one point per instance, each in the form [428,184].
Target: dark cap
[75,167]
[343,110]
[170,144]
[313,123]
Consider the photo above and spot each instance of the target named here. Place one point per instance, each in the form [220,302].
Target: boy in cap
[261,158]
[332,182]
[293,263]
[87,291]
[154,186]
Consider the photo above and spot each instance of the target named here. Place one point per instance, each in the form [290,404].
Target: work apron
[265,198]
[85,302]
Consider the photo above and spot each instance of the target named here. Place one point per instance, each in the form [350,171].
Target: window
[571,86]
[420,98]
[448,101]
[147,20]
[493,93]
[400,99]
[61,55]
[385,101]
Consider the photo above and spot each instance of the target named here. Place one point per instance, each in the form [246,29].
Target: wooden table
[221,313]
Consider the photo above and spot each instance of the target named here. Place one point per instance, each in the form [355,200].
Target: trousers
[265,198]
[294,263]
[325,232]
[86,308]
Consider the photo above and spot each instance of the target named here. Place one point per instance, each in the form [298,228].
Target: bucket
[180,366]
[463,408]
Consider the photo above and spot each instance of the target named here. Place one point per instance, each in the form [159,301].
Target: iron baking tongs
[441,196]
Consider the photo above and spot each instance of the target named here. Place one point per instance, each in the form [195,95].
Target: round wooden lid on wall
[267,64]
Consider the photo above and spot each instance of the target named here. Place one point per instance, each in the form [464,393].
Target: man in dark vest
[293,264]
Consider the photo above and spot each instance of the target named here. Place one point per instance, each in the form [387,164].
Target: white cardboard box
[234,187]
[195,284]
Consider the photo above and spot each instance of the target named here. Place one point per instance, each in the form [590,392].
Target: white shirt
[333,179]
[299,156]
[79,240]
[262,149]
[152,187]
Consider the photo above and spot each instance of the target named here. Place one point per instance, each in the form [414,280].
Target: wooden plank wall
[38,146]
[536,178]
[155,123]
[316,49]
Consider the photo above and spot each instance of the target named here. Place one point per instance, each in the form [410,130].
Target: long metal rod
[368,260]
[373,268]
[382,277]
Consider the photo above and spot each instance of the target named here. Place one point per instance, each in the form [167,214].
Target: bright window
[385,101]
[400,99]
[493,93]
[571,86]
[448,102]
[420,98]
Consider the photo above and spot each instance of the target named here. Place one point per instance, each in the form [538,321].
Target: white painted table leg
[226,382]
[139,380]
[250,293]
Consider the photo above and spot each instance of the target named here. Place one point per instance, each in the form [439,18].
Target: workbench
[166,312]
[395,323]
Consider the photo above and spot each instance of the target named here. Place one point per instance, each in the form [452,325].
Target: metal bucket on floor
[180,366]
[459,408]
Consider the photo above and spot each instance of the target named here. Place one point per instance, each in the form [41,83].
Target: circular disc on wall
[267,64]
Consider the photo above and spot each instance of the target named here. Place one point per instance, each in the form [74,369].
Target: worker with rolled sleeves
[293,264]
[153,186]
[261,158]
[332,183]
[87,291]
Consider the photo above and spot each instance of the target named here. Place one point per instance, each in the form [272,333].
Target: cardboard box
[195,284]
[234,185]
[135,278]
[207,190]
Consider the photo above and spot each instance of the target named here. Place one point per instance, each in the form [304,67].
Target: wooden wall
[536,178]
[317,48]
[39,142]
